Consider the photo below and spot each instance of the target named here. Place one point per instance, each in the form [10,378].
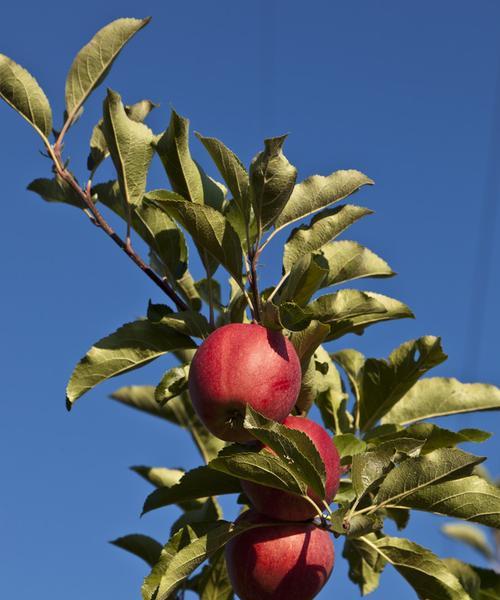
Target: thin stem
[278,285]
[98,220]
[311,501]
[327,506]
[255,286]
[210,294]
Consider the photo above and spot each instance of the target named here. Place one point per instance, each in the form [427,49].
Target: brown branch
[253,258]
[99,221]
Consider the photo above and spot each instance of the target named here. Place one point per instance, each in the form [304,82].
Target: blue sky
[405,92]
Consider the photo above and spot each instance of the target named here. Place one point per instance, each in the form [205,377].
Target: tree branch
[99,221]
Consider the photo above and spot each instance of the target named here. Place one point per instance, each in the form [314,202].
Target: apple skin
[240,364]
[287,506]
[279,562]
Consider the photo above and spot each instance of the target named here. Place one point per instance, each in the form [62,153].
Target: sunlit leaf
[143,546]
[93,62]
[441,396]
[21,91]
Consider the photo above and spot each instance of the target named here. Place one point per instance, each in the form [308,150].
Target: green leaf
[185,561]
[188,322]
[342,305]
[317,192]
[382,383]
[260,467]
[489,583]
[129,347]
[98,146]
[323,228]
[159,476]
[305,278]
[21,91]
[346,493]
[56,190]
[208,228]
[432,436]
[173,383]
[130,144]
[424,571]
[307,341]
[214,583]
[400,516]
[415,474]
[208,512]
[197,483]
[232,170]
[466,575]
[94,61]
[440,396]
[157,229]
[352,363]
[272,179]
[365,563]
[471,498]
[471,536]
[291,445]
[394,309]
[182,171]
[349,445]
[369,468]
[346,261]
[142,546]
[169,551]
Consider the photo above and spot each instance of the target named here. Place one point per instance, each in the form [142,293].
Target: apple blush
[238,365]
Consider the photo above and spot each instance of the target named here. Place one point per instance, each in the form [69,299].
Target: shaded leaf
[173,383]
[317,192]
[208,512]
[440,396]
[349,445]
[369,468]
[232,170]
[208,228]
[365,563]
[197,483]
[93,62]
[292,446]
[214,583]
[156,228]
[129,347]
[21,91]
[56,190]
[466,575]
[424,571]
[142,546]
[272,179]
[305,278]
[182,171]
[383,383]
[260,467]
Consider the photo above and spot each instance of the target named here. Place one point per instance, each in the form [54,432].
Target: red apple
[287,506]
[240,364]
[279,562]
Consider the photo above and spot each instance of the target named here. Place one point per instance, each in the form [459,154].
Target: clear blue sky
[402,91]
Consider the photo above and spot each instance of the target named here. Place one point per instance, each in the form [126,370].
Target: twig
[98,219]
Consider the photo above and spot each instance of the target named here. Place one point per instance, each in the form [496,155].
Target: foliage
[395,460]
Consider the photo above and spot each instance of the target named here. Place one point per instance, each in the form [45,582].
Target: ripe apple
[287,506]
[279,562]
[240,364]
